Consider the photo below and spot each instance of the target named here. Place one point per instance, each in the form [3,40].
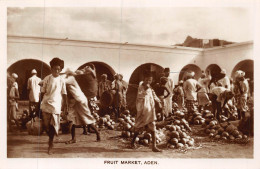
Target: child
[52,92]
[145,106]
[13,96]
[160,90]
[80,109]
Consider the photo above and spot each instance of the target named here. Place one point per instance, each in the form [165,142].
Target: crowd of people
[80,91]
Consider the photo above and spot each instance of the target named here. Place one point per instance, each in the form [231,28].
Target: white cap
[223,71]
[34,71]
[14,75]
[239,74]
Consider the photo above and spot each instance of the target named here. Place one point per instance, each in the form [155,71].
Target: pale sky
[158,26]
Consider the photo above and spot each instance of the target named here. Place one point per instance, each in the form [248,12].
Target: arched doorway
[189,68]
[214,70]
[102,68]
[248,67]
[135,79]
[23,69]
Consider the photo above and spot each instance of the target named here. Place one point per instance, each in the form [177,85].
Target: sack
[35,127]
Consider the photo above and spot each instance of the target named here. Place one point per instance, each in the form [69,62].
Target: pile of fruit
[224,131]
[177,137]
[176,131]
[196,118]
[126,125]
[105,121]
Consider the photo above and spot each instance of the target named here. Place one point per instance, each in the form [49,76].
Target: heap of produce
[126,125]
[177,130]
[224,131]
[196,118]
[105,121]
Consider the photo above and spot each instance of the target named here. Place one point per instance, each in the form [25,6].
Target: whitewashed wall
[125,58]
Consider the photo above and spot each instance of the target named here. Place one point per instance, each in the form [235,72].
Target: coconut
[231,137]
[137,139]
[190,143]
[217,136]
[172,146]
[183,135]
[177,122]
[146,142]
[128,134]
[173,141]
[175,134]
[128,126]
[224,138]
[211,134]
[184,140]
[245,136]
[172,128]
[235,133]
[179,145]
[239,136]
[225,134]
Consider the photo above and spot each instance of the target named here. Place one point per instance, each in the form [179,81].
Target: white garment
[218,91]
[75,90]
[190,87]
[80,109]
[204,82]
[168,100]
[54,88]
[33,86]
[225,82]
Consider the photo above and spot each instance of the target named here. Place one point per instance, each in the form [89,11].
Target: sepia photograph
[121,84]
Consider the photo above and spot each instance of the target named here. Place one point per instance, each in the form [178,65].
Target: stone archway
[188,68]
[23,69]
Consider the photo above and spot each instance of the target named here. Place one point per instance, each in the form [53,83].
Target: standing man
[191,88]
[34,92]
[241,90]
[203,98]
[118,89]
[125,86]
[104,85]
[225,81]
[170,86]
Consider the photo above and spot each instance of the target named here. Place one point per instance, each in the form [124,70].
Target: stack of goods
[196,118]
[145,138]
[176,131]
[224,131]
[107,122]
[126,124]
[177,137]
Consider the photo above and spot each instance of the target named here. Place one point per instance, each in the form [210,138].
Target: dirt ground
[22,145]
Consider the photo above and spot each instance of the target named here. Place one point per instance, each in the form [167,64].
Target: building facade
[26,53]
